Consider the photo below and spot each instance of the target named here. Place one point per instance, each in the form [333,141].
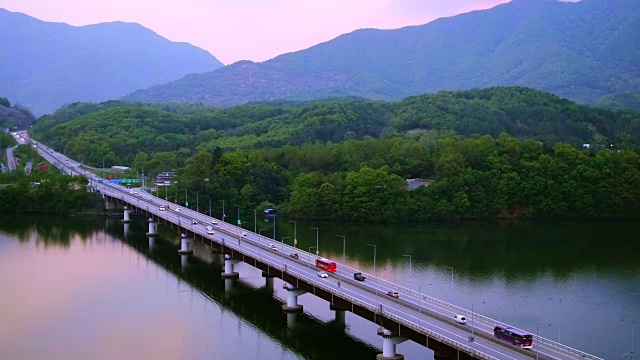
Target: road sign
[186,203]
[239,223]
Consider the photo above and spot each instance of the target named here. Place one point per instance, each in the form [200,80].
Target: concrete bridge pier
[152,242]
[339,315]
[126,216]
[228,268]
[268,281]
[389,342]
[126,229]
[292,299]
[153,228]
[184,245]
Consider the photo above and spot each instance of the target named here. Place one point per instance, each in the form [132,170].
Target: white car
[162,208]
[273,247]
[322,274]
[460,319]
[214,222]
[210,231]
[194,222]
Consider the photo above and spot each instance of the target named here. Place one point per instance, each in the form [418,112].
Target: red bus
[326,265]
[513,336]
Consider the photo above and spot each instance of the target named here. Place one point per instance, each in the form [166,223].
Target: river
[77,288]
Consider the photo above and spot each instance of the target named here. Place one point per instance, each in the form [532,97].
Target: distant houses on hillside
[413,184]
[164,178]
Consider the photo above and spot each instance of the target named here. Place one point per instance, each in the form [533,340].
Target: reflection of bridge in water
[303,334]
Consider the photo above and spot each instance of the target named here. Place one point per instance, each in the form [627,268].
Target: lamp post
[420,293]
[295,233]
[274,228]
[223,214]
[472,338]
[311,247]
[559,315]
[374,267]
[186,198]
[317,245]
[282,241]
[410,269]
[538,339]
[209,197]
[344,247]
[451,267]
[239,223]
[255,220]
[633,327]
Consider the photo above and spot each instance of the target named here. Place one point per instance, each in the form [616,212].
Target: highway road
[429,313]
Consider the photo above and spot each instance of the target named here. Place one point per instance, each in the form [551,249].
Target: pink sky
[255,30]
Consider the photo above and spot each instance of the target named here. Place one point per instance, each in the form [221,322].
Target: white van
[460,319]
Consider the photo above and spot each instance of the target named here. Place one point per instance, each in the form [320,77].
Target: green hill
[91,131]
[619,101]
[580,51]
[45,65]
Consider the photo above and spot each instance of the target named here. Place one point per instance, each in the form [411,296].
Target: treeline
[44,193]
[472,179]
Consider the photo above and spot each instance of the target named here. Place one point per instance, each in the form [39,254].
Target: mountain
[44,65]
[580,51]
[14,117]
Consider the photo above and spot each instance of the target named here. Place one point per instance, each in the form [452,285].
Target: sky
[256,30]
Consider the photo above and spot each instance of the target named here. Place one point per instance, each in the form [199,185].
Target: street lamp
[420,293]
[255,220]
[295,233]
[274,228]
[559,315]
[239,223]
[223,214]
[317,246]
[282,241]
[209,204]
[410,269]
[374,267]
[344,245]
[186,200]
[450,267]
[311,247]
[538,339]
[633,326]
[472,338]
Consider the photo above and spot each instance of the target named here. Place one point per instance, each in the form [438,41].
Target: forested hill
[619,101]
[45,65]
[14,116]
[349,160]
[577,50]
[123,129]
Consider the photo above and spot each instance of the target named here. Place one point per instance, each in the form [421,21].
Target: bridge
[411,316]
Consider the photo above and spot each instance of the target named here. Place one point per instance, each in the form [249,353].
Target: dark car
[393,294]
[358,276]
[295,256]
